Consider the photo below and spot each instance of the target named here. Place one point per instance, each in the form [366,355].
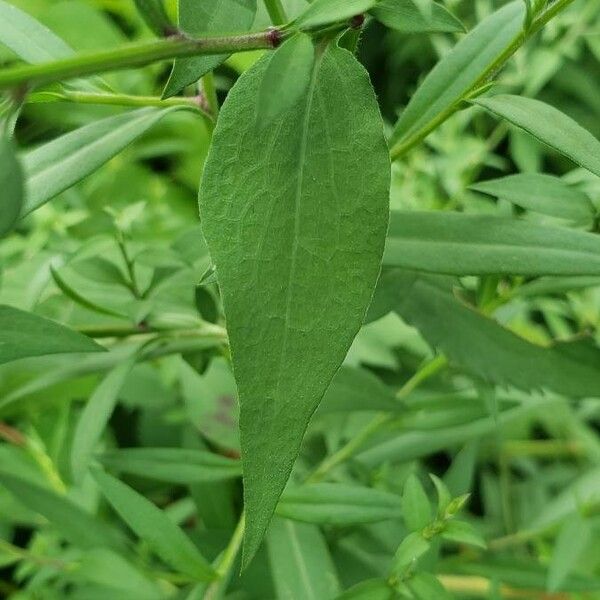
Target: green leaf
[286,79]
[295,221]
[415,505]
[78,298]
[403,15]
[443,495]
[209,17]
[78,527]
[549,125]
[28,38]
[426,586]
[412,547]
[338,504]
[463,533]
[462,244]
[323,12]
[371,589]
[571,544]
[11,184]
[540,193]
[174,465]
[443,89]
[154,14]
[95,417]
[24,334]
[301,566]
[428,304]
[57,165]
[355,389]
[150,524]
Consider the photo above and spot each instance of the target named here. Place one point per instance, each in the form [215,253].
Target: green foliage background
[513,425]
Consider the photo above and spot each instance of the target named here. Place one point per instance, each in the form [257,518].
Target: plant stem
[110,99]
[210,94]
[134,55]
[276,12]
[346,452]
[226,560]
[480,587]
[403,146]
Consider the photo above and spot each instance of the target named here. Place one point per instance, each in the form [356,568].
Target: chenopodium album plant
[302,283]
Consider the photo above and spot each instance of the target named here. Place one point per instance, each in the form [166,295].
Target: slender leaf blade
[301,565]
[174,465]
[462,244]
[429,304]
[403,15]
[549,125]
[541,193]
[338,504]
[293,300]
[209,17]
[152,525]
[445,86]
[95,416]
[57,165]
[78,527]
[11,184]
[23,334]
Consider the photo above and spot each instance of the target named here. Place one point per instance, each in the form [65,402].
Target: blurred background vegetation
[531,480]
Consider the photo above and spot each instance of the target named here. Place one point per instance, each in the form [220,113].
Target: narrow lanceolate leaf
[572,543]
[444,88]
[416,509]
[24,334]
[338,504]
[11,186]
[209,17]
[286,78]
[78,527]
[358,390]
[301,565]
[541,193]
[95,416]
[154,15]
[404,16]
[323,12]
[28,38]
[461,244]
[61,163]
[173,465]
[502,357]
[295,219]
[150,524]
[549,125]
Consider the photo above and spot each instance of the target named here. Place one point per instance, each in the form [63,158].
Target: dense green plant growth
[369,369]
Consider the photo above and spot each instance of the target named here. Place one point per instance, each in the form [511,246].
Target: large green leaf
[57,165]
[338,504]
[461,244]
[295,219]
[404,16]
[549,125]
[209,17]
[77,526]
[154,527]
[540,193]
[444,88]
[301,565]
[481,345]
[11,184]
[322,12]
[176,465]
[23,334]
[95,416]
